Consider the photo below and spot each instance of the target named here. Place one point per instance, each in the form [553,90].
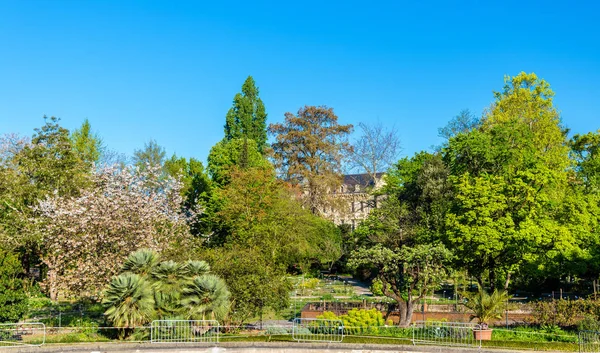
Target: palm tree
[206,296]
[130,301]
[486,307]
[141,262]
[168,276]
[195,268]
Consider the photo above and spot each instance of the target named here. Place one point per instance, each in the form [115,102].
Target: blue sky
[168,70]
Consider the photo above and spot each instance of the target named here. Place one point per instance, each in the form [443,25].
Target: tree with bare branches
[375,150]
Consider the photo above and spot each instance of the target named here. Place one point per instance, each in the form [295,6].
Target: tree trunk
[51,283]
[507,281]
[406,313]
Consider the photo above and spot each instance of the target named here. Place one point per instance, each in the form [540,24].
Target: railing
[29,334]
[184,331]
[317,330]
[589,341]
[445,334]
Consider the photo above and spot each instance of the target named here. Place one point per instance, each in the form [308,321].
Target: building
[357,201]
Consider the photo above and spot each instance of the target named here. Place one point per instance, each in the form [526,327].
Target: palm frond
[130,301]
[205,297]
[141,262]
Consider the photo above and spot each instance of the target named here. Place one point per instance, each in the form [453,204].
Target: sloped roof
[362,179]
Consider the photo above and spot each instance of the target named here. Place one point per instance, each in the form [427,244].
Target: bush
[13,298]
[309,283]
[277,331]
[565,313]
[358,321]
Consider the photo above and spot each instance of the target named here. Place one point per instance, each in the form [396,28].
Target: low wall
[432,312]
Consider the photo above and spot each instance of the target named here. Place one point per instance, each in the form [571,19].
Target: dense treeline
[509,198]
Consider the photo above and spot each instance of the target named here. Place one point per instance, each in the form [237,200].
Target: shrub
[565,313]
[309,283]
[358,321]
[13,298]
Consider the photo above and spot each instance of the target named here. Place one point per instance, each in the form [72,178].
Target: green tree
[129,300]
[585,150]
[509,178]
[407,273]
[206,297]
[256,282]
[149,288]
[227,154]
[464,122]
[258,211]
[309,149]
[152,154]
[88,145]
[247,117]
[31,172]
[196,190]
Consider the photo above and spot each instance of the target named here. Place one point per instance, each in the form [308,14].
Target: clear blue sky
[168,70]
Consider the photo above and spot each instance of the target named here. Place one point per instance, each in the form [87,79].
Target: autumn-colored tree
[87,237]
[247,117]
[308,151]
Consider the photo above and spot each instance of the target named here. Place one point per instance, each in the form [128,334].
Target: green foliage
[565,313]
[509,178]
[240,153]
[359,321]
[377,288]
[88,145]
[151,155]
[309,283]
[407,274]
[129,300]
[13,298]
[247,117]
[257,210]
[141,262]
[206,296]
[30,172]
[196,190]
[151,289]
[256,282]
[585,149]
[486,307]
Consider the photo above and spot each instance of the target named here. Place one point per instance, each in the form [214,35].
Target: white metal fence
[22,334]
[184,331]
[317,330]
[445,333]
[589,341]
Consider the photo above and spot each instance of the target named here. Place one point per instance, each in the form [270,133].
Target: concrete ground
[244,347]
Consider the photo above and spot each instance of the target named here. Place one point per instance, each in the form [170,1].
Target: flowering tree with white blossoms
[87,238]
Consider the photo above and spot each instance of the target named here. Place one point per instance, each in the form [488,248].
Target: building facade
[356,200]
